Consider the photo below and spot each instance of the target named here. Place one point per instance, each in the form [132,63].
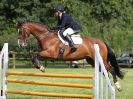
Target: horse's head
[23,34]
[38,30]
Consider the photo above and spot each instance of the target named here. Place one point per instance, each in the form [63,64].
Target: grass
[127,83]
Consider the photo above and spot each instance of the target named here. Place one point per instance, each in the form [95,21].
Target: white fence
[100,71]
[3,69]
[99,92]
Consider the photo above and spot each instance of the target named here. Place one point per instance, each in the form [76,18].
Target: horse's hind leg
[90,61]
[113,73]
[36,62]
[118,86]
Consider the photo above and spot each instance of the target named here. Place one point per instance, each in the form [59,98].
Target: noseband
[24,34]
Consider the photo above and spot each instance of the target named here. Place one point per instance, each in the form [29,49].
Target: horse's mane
[19,24]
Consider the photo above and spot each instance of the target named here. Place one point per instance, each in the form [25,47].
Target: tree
[110,21]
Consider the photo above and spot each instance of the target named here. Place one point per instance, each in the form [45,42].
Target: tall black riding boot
[71,43]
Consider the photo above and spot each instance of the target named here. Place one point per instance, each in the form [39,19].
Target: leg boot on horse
[36,62]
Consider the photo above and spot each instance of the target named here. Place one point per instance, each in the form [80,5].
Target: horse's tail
[112,59]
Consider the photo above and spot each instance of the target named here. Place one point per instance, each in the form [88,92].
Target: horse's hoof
[42,69]
[118,86]
[119,89]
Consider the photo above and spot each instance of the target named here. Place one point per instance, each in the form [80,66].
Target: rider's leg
[67,34]
[68,31]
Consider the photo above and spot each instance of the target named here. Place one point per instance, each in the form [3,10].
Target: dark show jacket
[66,21]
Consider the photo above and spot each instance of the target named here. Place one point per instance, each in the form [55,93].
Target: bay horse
[50,46]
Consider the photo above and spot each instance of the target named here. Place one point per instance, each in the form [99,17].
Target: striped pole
[51,83]
[51,75]
[50,94]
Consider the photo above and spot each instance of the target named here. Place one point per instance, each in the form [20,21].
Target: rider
[66,22]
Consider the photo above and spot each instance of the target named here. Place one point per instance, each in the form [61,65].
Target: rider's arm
[61,24]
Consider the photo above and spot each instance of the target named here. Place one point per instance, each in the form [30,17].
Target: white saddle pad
[75,37]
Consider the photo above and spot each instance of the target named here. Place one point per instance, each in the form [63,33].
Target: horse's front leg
[36,62]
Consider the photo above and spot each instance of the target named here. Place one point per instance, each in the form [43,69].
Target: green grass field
[127,83]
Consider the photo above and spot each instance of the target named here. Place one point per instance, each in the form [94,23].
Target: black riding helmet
[58,7]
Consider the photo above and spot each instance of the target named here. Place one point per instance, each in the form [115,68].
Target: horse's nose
[24,44]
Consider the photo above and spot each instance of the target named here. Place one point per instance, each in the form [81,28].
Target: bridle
[24,35]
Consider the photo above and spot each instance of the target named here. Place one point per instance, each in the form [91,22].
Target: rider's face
[57,13]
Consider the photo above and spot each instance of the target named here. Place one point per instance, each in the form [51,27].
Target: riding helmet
[58,7]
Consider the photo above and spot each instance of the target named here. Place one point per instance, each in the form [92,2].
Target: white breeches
[68,31]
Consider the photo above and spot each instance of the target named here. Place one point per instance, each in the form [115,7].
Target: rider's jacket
[66,21]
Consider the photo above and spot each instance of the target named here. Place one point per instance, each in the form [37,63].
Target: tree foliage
[109,20]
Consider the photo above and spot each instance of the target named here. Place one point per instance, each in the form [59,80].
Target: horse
[50,46]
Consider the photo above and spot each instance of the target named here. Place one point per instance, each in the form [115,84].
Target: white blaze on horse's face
[18,43]
[21,42]
[18,30]
[18,39]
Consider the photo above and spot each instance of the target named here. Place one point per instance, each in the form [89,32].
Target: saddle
[75,37]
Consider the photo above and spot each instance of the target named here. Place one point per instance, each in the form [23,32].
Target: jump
[51,46]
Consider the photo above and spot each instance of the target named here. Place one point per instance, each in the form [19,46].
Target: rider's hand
[53,28]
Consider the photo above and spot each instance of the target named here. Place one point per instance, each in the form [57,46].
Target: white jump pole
[98,90]
[3,69]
